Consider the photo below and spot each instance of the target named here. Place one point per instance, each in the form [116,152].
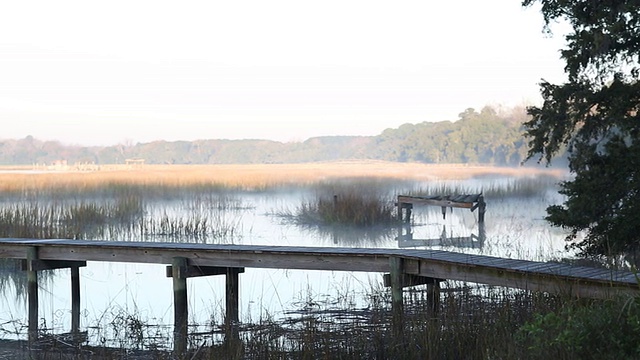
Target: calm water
[115,294]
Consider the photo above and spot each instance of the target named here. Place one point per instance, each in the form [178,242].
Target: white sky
[86,72]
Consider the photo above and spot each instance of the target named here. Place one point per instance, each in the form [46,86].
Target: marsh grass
[361,203]
[512,188]
[472,322]
[141,205]
[72,220]
[198,227]
[200,217]
[167,180]
[350,209]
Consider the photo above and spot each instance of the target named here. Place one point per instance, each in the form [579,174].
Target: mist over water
[110,292]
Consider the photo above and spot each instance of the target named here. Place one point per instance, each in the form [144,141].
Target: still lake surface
[115,295]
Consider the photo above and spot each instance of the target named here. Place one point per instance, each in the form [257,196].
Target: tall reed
[356,202]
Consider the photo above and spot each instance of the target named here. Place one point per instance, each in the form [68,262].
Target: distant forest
[486,137]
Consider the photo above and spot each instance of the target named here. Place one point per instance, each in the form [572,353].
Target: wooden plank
[583,272]
[197,271]
[410,280]
[214,257]
[535,267]
[589,273]
[12,252]
[505,263]
[39,264]
[449,265]
[522,280]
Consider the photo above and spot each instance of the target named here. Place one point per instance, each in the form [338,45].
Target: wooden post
[335,210]
[433,297]
[397,307]
[482,232]
[232,298]
[408,213]
[482,207]
[180,305]
[75,301]
[180,271]
[32,290]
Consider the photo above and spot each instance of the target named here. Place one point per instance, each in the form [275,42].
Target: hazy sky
[87,72]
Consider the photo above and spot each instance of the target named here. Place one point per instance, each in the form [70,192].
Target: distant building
[134,163]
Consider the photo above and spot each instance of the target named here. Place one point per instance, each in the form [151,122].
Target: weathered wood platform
[539,276]
[472,202]
[407,267]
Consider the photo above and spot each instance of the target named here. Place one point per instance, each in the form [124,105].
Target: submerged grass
[362,203]
[470,323]
[346,209]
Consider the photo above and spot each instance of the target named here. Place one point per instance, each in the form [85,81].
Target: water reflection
[349,236]
[11,274]
[112,292]
[474,241]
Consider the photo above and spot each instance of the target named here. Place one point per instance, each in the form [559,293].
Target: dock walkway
[406,267]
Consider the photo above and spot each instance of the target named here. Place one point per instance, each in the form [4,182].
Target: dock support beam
[404,211]
[397,279]
[232,334]
[180,305]
[482,208]
[433,297]
[397,306]
[180,271]
[32,291]
[32,265]
[232,301]
[75,301]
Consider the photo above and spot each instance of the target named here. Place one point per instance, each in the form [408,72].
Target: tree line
[488,136]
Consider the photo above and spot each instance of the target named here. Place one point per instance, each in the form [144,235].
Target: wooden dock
[404,267]
[472,202]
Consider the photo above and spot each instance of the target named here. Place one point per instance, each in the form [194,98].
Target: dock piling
[180,271]
[232,300]
[180,305]
[75,300]
[397,306]
[32,290]
[406,267]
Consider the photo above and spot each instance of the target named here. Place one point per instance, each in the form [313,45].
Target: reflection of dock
[406,267]
[406,240]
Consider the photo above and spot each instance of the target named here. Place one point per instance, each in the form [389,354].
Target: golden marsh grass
[243,177]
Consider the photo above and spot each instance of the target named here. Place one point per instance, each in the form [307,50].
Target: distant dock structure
[134,163]
[472,202]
